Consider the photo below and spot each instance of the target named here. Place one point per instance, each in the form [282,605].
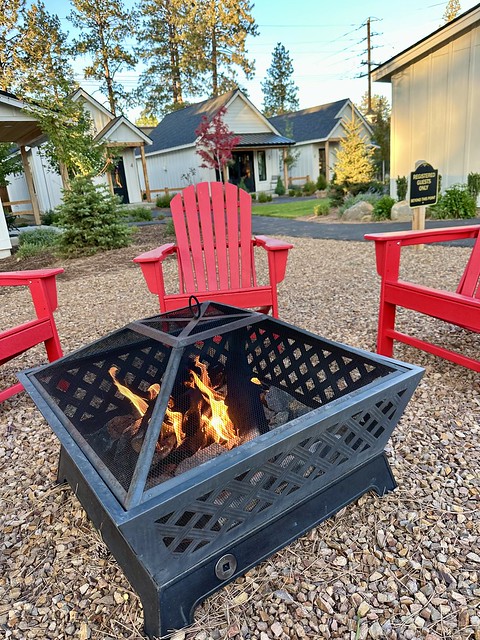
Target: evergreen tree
[354,157]
[104,28]
[279,90]
[44,61]
[165,39]
[379,121]
[220,34]
[452,10]
[10,40]
[91,219]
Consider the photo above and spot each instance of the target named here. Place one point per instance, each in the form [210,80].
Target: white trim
[122,120]
[437,39]
[81,93]
[239,94]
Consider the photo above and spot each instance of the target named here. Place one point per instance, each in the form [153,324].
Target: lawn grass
[293,209]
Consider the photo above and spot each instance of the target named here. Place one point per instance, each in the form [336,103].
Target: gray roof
[178,127]
[315,123]
[263,140]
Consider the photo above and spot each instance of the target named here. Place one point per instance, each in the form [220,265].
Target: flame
[215,420]
[173,420]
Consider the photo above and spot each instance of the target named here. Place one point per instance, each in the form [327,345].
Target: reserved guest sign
[423,185]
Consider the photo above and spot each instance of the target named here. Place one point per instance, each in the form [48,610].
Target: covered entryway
[242,168]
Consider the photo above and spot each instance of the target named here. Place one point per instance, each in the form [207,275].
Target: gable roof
[177,129]
[314,123]
[439,38]
[137,134]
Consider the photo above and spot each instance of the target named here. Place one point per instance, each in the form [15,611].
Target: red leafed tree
[216,142]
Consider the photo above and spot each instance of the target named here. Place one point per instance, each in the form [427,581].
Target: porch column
[30,185]
[285,168]
[145,173]
[327,161]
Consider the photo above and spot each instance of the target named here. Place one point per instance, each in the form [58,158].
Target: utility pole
[369,65]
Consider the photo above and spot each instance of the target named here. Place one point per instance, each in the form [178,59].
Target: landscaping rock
[401,212]
[359,211]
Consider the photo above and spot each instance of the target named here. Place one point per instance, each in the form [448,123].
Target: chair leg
[52,345]
[386,322]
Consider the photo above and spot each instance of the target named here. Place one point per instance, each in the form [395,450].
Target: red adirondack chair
[15,341]
[215,251]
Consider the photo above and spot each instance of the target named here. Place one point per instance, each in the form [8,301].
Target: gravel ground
[404,566]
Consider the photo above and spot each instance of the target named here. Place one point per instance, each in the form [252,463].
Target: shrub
[163,202]
[254,196]
[50,217]
[280,188]
[91,219]
[321,182]
[456,202]
[137,214]
[291,192]
[402,186]
[473,185]
[262,197]
[309,188]
[35,242]
[242,185]
[322,208]
[336,194]
[382,208]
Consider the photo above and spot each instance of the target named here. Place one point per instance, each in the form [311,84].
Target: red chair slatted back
[470,282]
[213,228]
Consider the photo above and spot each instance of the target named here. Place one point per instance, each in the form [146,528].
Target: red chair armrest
[158,254]
[41,283]
[425,236]
[271,244]
[22,278]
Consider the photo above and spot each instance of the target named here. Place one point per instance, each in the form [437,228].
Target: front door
[120,182]
[242,168]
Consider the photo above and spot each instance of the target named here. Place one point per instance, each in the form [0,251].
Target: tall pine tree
[221,30]
[104,28]
[164,41]
[10,42]
[279,90]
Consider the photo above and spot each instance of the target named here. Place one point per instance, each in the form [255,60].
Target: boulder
[359,211]
[401,212]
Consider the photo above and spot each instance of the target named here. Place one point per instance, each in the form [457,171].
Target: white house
[172,159]
[317,132]
[115,132]
[436,101]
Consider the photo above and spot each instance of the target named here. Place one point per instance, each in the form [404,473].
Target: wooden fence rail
[22,212]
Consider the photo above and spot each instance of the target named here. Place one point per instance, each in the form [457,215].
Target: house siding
[242,119]
[434,117]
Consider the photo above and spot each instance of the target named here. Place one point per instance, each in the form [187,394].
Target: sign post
[423,191]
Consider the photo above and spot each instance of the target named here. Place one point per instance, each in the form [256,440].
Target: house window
[322,162]
[262,165]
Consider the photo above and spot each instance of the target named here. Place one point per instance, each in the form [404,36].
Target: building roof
[439,38]
[314,123]
[137,134]
[177,128]
[263,140]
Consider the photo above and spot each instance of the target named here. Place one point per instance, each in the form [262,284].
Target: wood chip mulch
[405,566]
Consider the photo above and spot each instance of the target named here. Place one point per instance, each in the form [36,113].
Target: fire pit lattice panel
[202,440]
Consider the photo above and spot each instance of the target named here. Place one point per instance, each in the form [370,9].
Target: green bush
[309,188]
[50,217]
[242,185]
[254,196]
[91,219]
[473,185]
[280,188]
[163,202]
[382,208]
[291,192]
[137,214]
[37,241]
[321,182]
[322,208]
[262,197]
[456,202]
[402,186]
[336,194]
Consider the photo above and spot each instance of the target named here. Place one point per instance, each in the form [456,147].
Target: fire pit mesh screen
[166,394]
[279,482]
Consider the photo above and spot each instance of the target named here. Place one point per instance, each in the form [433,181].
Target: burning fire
[214,421]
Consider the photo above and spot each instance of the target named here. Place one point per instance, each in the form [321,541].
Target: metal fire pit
[179,538]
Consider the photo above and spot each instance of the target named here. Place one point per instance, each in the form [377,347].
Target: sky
[326,41]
